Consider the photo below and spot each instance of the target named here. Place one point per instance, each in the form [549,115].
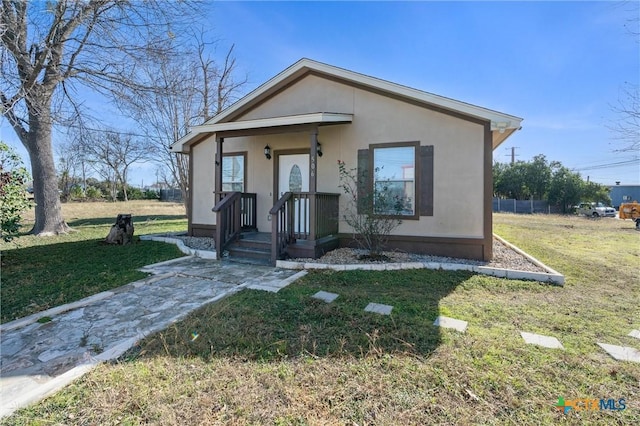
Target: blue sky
[559,65]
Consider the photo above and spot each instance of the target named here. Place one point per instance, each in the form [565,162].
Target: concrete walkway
[38,358]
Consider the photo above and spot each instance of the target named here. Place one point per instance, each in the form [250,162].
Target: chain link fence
[511,205]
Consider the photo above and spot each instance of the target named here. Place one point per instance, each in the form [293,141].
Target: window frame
[242,154]
[416,176]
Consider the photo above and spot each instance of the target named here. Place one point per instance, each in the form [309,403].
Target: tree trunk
[48,212]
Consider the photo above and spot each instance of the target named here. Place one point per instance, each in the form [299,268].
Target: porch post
[313,183]
[217,197]
[218,169]
[313,161]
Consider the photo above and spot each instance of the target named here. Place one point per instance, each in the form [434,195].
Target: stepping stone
[325,296]
[540,340]
[447,322]
[634,333]
[621,353]
[379,308]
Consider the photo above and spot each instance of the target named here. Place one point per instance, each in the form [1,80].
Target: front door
[293,176]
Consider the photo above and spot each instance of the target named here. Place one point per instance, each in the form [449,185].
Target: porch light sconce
[319,149]
[267,152]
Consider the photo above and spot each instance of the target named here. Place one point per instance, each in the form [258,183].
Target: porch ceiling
[280,124]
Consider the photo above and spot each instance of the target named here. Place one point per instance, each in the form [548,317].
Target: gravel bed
[198,243]
[503,256]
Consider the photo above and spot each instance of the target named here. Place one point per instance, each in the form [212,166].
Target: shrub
[93,193]
[362,213]
[13,195]
[150,194]
[76,192]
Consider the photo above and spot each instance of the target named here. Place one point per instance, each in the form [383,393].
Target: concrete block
[451,266]
[355,267]
[494,272]
[325,296]
[393,266]
[263,288]
[432,265]
[206,254]
[447,322]
[621,353]
[311,265]
[540,340]
[287,264]
[379,308]
[412,265]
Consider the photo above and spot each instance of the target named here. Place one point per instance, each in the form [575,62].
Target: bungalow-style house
[269,164]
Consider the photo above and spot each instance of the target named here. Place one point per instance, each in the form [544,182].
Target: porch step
[255,240]
[251,247]
[250,261]
[250,253]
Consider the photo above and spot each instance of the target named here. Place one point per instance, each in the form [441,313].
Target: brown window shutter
[426,181]
[364,182]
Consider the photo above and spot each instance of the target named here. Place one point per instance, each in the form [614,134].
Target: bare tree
[72,167]
[111,155]
[51,49]
[189,92]
[627,127]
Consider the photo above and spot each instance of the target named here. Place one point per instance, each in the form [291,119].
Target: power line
[609,165]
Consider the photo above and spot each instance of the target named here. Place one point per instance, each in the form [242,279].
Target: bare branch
[626,129]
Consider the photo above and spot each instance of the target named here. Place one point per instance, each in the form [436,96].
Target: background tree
[542,180]
[595,192]
[512,182]
[191,91]
[72,168]
[538,176]
[565,189]
[522,180]
[51,49]
[13,197]
[111,155]
[626,129]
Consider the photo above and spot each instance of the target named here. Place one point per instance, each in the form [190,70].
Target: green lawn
[39,273]
[285,358]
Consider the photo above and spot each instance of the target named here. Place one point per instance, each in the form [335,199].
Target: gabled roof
[502,125]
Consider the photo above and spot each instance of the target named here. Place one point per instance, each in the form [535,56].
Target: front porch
[278,195]
[302,225]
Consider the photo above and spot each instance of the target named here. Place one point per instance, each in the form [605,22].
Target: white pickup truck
[595,210]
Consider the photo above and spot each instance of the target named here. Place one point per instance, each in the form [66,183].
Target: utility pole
[513,154]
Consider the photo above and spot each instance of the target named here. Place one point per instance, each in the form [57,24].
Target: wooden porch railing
[327,212]
[248,218]
[234,211]
[281,225]
[302,216]
[228,212]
